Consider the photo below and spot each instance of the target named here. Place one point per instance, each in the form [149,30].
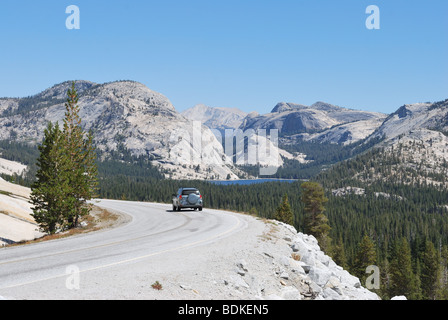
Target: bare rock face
[412,117]
[291,118]
[320,122]
[123,114]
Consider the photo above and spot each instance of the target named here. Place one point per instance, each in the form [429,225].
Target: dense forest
[389,212]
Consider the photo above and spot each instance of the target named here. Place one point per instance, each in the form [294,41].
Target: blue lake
[250,181]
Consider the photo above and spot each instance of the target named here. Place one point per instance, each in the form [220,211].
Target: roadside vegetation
[66,177]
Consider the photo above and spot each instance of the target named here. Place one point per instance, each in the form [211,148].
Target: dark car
[187,198]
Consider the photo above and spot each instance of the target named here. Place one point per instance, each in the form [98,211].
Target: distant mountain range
[128,115]
[417,134]
[320,122]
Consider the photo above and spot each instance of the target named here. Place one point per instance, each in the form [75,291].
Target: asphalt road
[154,231]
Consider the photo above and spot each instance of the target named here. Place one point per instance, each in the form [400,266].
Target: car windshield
[188,191]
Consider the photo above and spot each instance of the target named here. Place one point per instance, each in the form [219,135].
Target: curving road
[153,231]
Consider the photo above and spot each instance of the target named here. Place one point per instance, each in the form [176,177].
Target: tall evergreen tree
[67,174]
[284,213]
[365,256]
[315,221]
[430,272]
[444,274]
[48,192]
[383,292]
[402,279]
[81,155]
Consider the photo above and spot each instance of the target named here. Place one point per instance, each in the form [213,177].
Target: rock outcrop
[293,267]
[290,119]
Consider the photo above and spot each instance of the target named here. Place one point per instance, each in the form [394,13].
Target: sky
[246,54]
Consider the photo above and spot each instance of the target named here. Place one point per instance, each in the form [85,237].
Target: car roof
[189,188]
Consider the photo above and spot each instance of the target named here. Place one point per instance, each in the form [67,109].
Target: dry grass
[102,218]
[271,231]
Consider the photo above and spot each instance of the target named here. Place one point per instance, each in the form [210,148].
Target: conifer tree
[430,272]
[365,256]
[284,213]
[444,274]
[81,155]
[402,279]
[315,221]
[67,174]
[383,292]
[48,192]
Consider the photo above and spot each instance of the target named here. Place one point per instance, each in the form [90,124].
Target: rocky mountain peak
[409,117]
[59,91]
[323,106]
[319,105]
[284,107]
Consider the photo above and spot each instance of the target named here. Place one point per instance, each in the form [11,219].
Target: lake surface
[250,181]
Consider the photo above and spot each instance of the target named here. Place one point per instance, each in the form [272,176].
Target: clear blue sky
[248,54]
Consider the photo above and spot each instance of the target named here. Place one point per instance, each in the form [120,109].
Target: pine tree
[365,256]
[430,272]
[444,274]
[284,213]
[402,279]
[383,292]
[67,175]
[48,192]
[81,155]
[315,221]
